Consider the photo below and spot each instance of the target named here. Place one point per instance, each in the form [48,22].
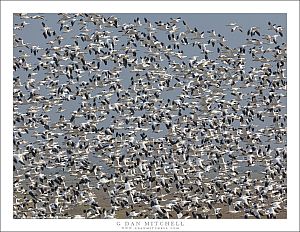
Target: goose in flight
[234,27]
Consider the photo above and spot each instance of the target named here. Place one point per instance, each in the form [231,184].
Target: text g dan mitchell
[155,225]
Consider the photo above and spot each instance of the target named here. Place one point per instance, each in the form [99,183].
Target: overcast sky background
[203,22]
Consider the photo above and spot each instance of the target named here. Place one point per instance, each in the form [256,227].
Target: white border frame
[7,10]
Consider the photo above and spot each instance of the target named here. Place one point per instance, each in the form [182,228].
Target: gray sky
[203,22]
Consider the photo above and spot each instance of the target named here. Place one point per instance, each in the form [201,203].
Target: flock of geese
[148,119]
